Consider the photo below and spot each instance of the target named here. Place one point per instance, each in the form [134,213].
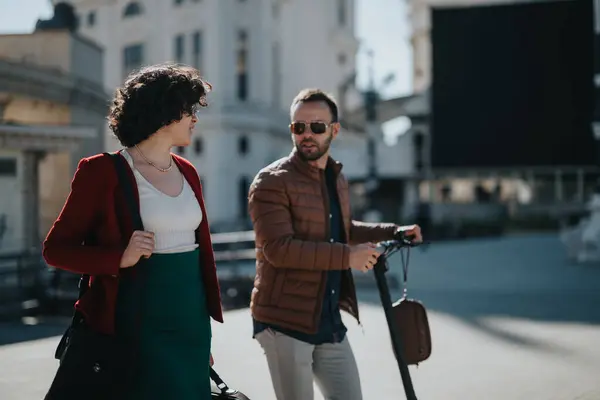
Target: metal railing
[29,286]
[22,282]
[26,278]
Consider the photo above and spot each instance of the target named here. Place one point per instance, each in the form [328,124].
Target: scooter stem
[380,269]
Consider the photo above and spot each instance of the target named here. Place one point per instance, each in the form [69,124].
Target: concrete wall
[55,179]
[88,147]
[50,49]
[61,50]
[25,110]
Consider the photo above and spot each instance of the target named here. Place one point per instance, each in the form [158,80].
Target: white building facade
[257,53]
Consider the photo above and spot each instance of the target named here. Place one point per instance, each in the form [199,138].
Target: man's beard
[315,154]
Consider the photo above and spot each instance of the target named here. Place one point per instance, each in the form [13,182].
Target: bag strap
[125,184]
[119,162]
[134,211]
[405,261]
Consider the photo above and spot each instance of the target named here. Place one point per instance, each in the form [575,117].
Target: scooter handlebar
[396,244]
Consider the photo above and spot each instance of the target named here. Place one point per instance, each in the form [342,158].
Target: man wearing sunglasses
[306,246]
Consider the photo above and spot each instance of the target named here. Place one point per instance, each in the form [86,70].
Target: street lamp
[371,99]
[596,80]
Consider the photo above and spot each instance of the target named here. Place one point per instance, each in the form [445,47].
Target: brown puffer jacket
[289,207]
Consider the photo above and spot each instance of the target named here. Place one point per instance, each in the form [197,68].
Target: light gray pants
[293,363]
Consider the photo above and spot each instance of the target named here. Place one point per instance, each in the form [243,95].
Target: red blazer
[95,213]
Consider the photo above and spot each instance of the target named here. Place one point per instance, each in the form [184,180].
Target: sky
[381,26]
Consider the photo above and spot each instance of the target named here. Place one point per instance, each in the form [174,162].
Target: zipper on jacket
[321,298]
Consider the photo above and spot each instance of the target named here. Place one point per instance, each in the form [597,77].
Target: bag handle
[218,381]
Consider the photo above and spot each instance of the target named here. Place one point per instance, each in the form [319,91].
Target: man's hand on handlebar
[409,233]
[363,257]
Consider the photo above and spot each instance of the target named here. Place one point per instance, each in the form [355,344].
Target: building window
[133,58]
[197,50]
[8,167]
[242,65]
[243,145]
[91,18]
[198,146]
[132,9]
[178,2]
[179,48]
[244,188]
[342,12]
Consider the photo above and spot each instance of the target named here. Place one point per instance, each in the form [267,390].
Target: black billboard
[512,85]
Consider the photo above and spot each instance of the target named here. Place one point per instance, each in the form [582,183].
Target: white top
[173,220]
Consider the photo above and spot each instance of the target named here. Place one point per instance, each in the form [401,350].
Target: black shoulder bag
[95,365]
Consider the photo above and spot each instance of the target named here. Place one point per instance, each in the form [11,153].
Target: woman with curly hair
[152,112]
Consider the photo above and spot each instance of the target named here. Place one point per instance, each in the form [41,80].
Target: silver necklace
[154,165]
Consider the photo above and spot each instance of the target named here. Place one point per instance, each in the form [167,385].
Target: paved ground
[511,319]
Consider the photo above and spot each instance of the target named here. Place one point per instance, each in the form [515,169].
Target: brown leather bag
[410,317]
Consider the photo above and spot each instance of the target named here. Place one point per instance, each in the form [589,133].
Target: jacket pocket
[278,283]
[301,288]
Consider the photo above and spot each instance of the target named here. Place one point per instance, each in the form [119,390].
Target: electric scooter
[380,269]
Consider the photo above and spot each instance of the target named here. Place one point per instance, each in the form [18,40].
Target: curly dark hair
[153,97]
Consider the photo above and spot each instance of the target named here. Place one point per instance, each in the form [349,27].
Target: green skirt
[174,331]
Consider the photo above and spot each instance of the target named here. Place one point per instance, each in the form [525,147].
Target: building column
[30,179]
[4,101]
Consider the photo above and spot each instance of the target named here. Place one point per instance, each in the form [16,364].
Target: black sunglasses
[318,128]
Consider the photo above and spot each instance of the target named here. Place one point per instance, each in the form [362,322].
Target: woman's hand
[140,245]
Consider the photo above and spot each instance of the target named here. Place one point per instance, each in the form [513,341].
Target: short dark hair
[313,96]
[153,97]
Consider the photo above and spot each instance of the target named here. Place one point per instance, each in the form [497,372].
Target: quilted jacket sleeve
[269,208]
[64,245]
[363,232]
